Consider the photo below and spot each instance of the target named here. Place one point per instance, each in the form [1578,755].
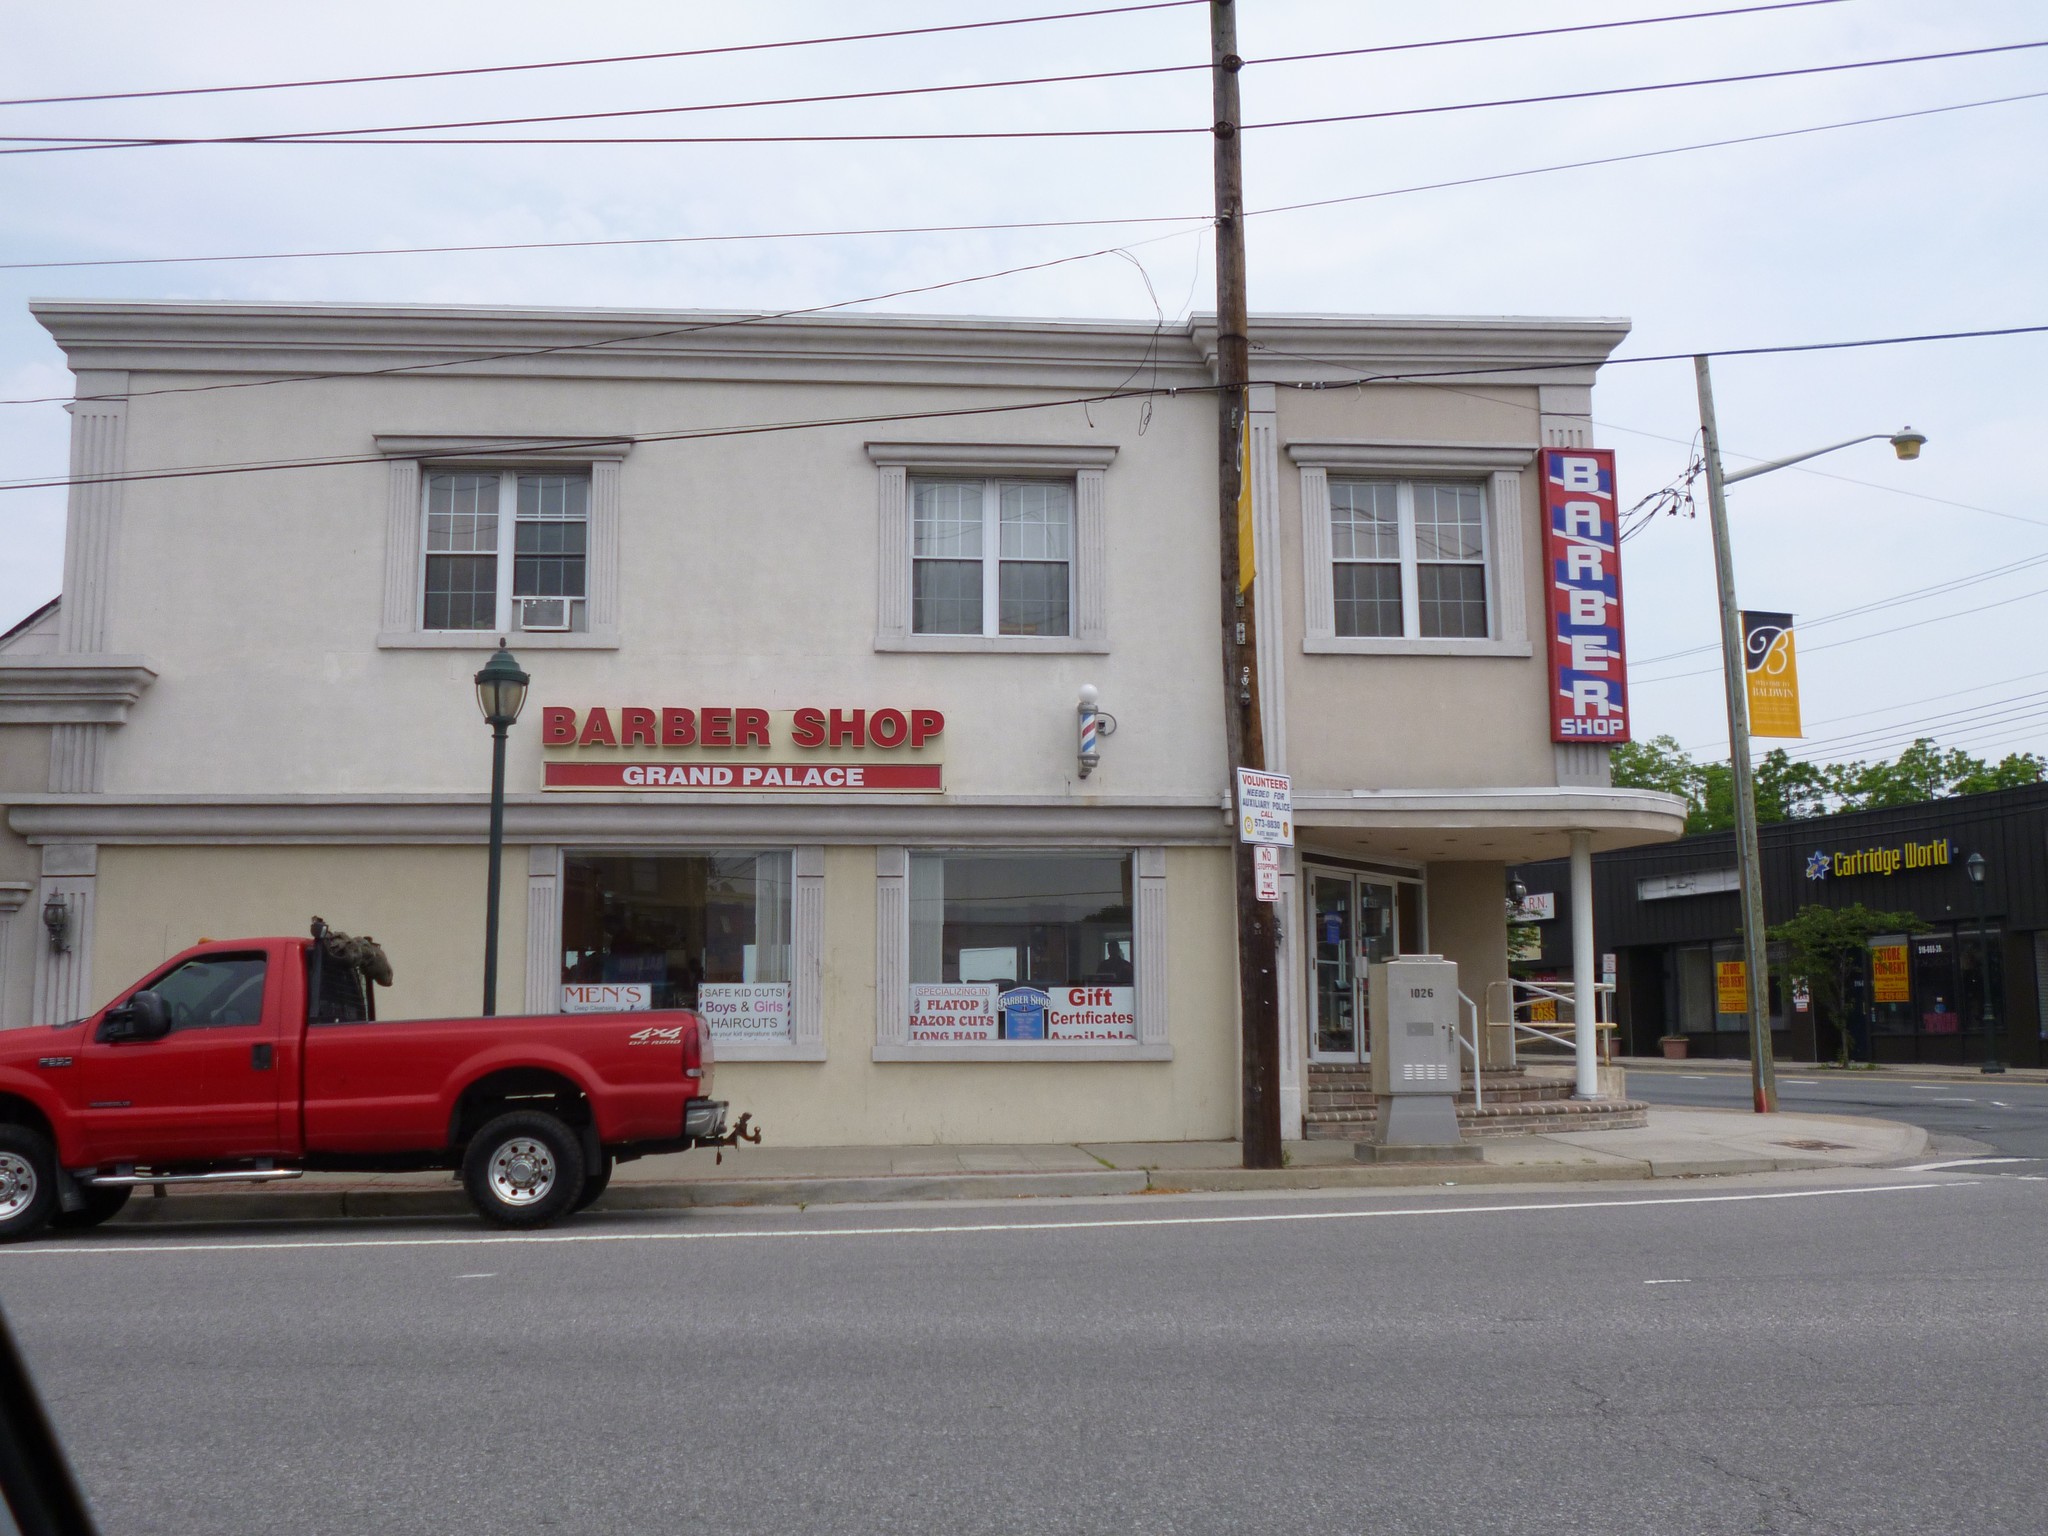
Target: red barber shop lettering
[736,726]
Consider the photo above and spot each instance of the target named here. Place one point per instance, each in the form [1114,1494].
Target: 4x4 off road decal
[653,1036]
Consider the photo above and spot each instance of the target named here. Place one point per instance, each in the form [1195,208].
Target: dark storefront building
[1668,918]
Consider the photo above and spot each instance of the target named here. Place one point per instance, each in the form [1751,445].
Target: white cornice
[1411,457]
[70,688]
[994,458]
[613,821]
[506,448]
[242,339]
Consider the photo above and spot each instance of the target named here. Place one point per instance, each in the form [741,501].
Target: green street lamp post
[500,694]
[1975,865]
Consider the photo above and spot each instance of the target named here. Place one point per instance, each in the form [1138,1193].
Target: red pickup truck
[259,1059]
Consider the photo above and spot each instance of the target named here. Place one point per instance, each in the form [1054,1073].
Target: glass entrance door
[1355,923]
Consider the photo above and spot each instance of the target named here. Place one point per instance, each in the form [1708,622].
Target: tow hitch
[732,1138]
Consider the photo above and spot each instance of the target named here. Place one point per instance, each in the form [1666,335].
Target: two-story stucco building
[807,605]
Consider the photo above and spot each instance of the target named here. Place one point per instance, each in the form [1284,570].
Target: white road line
[1802,1082]
[1695,1077]
[1955,1101]
[1965,1162]
[2000,1104]
[1926,1087]
[489,1274]
[1667,1282]
[74,1249]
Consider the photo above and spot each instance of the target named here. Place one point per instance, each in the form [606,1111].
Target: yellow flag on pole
[1772,674]
[1246,567]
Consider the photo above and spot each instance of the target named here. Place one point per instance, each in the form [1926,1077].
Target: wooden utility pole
[1257,928]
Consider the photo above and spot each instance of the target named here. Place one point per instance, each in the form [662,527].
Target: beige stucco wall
[1468,924]
[424,905]
[1382,722]
[748,576]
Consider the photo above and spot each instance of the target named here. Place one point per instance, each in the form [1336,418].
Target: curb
[359,1204]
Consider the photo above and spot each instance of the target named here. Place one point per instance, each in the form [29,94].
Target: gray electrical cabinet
[1414,1034]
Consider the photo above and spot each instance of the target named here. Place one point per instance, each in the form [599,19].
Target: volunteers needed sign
[741,748]
[1582,556]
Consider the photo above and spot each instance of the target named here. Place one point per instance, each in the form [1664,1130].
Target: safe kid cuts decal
[1588,673]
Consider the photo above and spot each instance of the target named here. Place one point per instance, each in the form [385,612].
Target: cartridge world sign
[742,749]
[1840,864]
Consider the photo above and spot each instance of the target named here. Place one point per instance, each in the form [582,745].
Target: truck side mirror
[145,1016]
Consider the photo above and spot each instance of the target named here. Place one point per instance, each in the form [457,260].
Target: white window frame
[1086,464]
[1497,467]
[412,455]
[892,972]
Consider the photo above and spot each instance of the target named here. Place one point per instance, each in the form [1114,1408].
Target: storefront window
[1021,946]
[1701,972]
[708,931]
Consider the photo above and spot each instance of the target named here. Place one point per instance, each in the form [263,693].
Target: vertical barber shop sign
[1582,558]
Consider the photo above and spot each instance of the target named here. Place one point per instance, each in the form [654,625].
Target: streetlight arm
[1800,458]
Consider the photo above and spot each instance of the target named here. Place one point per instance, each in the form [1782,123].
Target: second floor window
[991,557]
[1408,559]
[506,550]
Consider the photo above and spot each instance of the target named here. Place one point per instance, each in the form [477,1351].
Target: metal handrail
[1520,993]
[1478,1067]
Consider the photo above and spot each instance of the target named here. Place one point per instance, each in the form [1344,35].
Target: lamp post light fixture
[1906,443]
[500,694]
[1975,865]
[57,922]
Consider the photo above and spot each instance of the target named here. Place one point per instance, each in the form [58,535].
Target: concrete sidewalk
[1677,1143]
[1829,1072]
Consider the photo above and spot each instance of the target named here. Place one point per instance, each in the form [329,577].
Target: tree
[1788,789]
[1823,947]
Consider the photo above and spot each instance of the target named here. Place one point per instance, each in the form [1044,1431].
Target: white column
[1149,965]
[13,893]
[1585,1000]
[64,976]
[892,946]
[543,928]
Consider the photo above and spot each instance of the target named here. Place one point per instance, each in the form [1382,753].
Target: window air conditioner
[543,613]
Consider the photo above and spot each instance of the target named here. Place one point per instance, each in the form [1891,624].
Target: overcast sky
[1934,223]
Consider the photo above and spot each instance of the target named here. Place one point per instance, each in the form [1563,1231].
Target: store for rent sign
[1582,556]
[1890,980]
[730,747]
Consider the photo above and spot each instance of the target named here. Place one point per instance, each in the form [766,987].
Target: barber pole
[1090,726]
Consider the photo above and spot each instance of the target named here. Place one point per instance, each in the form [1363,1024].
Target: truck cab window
[215,992]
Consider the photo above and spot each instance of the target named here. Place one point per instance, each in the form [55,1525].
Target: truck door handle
[259,1057]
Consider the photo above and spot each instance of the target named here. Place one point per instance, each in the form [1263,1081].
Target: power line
[48,144]
[1944,720]
[624,58]
[1916,594]
[750,429]
[822,234]
[108,141]
[611,341]
[1852,640]
[1886,709]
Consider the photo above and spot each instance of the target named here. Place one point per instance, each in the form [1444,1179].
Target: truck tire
[523,1169]
[28,1183]
[594,1182]
[100,1205]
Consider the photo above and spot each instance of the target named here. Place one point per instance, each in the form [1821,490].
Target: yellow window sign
[1772,673]
[1889,980]
[1731,987]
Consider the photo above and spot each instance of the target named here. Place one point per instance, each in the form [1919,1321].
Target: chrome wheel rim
[523,1170]
[17,1184]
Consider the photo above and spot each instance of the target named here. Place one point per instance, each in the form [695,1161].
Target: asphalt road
[1766,1355]
[2010,1118]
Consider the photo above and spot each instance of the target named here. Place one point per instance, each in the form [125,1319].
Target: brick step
[1517,1091]
[1496,1120]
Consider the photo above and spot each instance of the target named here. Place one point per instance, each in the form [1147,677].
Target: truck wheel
[523,1169]
[28,1183]
[100,1205]
[594,1182]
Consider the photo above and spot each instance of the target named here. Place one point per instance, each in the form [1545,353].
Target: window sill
[1362,645]
[1053,645]
[487,640]
[727,1051]
[1027,1051]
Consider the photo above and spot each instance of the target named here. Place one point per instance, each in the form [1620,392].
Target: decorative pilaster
[13,893]
[99,451]
[1091,557]
[1150,963]
[64,976]
[892,512]
[892,946]
[1319,618]
[402,546]
[543,928]
[1267,588]
[1511,575]
[603,585]
[1565,415]
[807,953]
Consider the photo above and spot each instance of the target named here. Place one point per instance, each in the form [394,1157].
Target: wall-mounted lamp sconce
[1094,724]
[57,919]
